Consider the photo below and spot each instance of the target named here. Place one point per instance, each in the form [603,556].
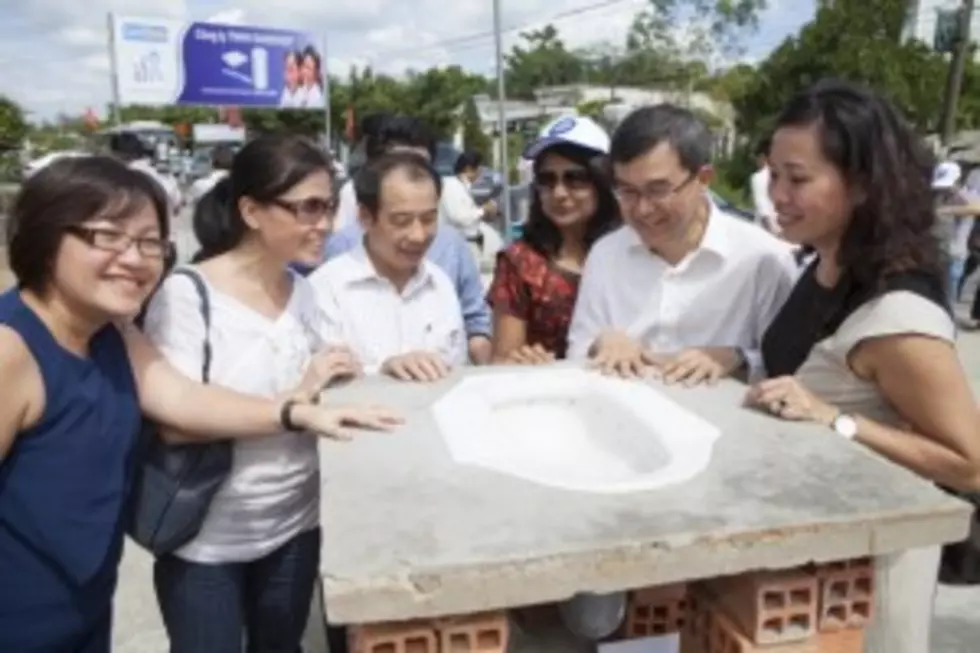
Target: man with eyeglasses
[682,288]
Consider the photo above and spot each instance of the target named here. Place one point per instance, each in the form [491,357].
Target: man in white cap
[956,210]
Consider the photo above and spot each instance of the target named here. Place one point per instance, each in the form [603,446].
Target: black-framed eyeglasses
[116,241]
[309,210]
[653,194]
[575,179]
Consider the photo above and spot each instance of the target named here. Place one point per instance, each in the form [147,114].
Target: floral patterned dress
[527,285]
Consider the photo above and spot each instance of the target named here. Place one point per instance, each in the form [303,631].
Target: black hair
[370,179]
[763,145]
[370,124]
[67,193]
[470,159]
[647,127]
[399,131]
[310,51]
[128,146]
[263,170]
[542,234]
[878,153]
[222,157]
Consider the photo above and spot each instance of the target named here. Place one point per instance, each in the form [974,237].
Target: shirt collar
[716,238]
[363,271]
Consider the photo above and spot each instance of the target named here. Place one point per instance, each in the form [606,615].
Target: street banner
[164,62]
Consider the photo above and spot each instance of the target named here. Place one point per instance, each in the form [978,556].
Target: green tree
[541,59]
[859,40]
[438,97]
[474,138]
[13,124]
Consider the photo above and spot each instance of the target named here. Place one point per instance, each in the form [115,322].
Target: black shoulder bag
[175,483]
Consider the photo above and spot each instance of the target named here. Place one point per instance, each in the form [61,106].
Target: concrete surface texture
[424,531]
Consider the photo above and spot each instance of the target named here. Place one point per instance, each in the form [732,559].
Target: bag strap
[202,293]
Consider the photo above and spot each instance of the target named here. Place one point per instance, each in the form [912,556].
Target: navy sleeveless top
[63,487]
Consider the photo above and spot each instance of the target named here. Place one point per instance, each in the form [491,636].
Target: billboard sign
[163,62]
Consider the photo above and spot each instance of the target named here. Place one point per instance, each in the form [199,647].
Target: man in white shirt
[682,287]
[221,160]
[765,211]
[395,309]
[128,147]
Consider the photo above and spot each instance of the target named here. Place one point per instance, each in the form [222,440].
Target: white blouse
[272,493]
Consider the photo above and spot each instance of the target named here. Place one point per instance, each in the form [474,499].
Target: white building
[552,101]
[927,18]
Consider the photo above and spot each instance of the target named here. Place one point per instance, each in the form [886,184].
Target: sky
[54,53]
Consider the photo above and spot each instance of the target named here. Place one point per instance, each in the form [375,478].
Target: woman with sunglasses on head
[87,241]
[536,280]
[251,569]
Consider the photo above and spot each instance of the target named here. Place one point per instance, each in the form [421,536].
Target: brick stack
[814,609]
[477,633]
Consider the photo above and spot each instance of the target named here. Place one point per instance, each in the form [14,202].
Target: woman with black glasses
[536,279]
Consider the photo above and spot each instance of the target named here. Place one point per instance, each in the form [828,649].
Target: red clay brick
[657,610]
[770,607]
[710,630]
[395,637]
[846,595]
[486,632]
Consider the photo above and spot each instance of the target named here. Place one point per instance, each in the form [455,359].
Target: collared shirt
[364,311]
[723,294]
[450,252]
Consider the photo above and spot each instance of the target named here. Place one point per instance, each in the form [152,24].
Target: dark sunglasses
[310,209]
[571,179]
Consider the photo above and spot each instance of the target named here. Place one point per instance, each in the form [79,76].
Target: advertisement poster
[161,62]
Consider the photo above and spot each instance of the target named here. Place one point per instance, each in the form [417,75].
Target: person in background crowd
[221,158]
[347,199]
[397,310]
[956,212]
[457,207]
[865,344]
[251,568]
[128,147]
[682,286]
[448,249]
[536,279]
[765,213]
[87,238]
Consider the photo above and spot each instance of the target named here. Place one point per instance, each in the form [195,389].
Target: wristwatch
[845,426]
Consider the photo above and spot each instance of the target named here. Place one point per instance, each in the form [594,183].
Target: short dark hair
[395,131]
[128,146]
[763,145]
[541,233]
[370,178]
[263,170]
[467,160]
[876,150]
[647,127]
[222,157]
[65,194]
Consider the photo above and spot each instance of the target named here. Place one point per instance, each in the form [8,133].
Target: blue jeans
[956,268]
[259,606]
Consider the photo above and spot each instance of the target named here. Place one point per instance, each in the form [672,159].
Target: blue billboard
[161,62]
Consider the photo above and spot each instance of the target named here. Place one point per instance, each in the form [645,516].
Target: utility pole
[957,65]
